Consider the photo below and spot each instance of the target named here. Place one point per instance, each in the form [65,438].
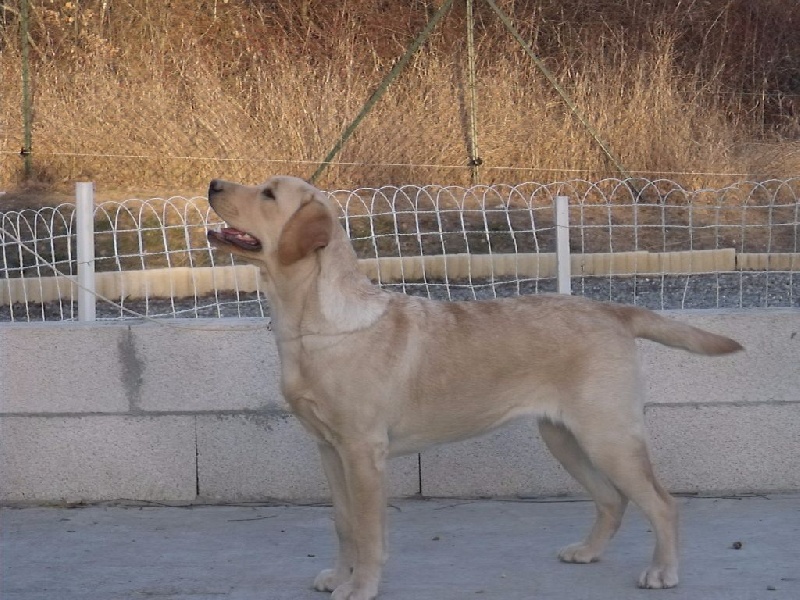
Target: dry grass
[139,96]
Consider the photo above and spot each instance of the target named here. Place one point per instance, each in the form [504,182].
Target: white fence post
[564,270]
[84,224]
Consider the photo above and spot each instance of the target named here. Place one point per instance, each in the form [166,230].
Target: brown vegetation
[144,96]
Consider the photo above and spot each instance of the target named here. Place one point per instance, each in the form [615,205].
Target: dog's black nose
[214,187]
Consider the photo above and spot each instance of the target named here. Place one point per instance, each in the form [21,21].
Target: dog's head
[282,221]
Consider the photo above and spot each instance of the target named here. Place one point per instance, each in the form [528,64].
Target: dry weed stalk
[140,95]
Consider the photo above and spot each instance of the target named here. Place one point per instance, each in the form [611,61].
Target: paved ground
[441,550]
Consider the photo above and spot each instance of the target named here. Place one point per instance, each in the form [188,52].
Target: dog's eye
[268,194]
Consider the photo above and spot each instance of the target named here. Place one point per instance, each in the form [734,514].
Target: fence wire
[650,243]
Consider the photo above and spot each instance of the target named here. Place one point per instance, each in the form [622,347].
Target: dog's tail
[652,326]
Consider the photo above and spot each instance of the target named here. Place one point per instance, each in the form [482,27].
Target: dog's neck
[324,294]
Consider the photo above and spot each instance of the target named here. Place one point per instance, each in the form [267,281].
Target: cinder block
[510,461]
[694,448]
[765,371]
[219,365]
[61,368]
[271,456]
[726,447]
[95,458]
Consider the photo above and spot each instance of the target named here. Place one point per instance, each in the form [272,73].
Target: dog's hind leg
[610,504]
[622,455]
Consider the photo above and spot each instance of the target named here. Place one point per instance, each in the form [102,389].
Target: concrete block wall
[109,411]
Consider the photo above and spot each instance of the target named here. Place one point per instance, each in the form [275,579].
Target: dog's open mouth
[235,237]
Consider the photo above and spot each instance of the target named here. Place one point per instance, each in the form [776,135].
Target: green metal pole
[27,111]
[376,95]
[475,160]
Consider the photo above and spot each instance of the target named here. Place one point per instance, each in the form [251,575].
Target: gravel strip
[724,290]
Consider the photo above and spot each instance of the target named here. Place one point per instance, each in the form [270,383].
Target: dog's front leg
[364,466]
[329,579]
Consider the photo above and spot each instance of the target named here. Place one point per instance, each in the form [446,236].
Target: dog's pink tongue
[239,235]
[240,238]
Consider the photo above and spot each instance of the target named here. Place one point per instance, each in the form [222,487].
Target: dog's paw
[579,553]
[659,577]
[349,591]
[328,580]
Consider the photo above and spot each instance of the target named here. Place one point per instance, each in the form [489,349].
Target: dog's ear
[309,229]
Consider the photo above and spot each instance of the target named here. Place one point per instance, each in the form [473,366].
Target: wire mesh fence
[651,243]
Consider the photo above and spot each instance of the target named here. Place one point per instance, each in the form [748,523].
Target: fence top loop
[664,247]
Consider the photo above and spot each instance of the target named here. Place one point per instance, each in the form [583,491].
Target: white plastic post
[564,270]
[84,225]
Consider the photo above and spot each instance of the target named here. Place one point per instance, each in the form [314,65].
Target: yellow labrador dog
[373,374]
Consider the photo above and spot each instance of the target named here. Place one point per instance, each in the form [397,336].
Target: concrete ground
[440,550]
